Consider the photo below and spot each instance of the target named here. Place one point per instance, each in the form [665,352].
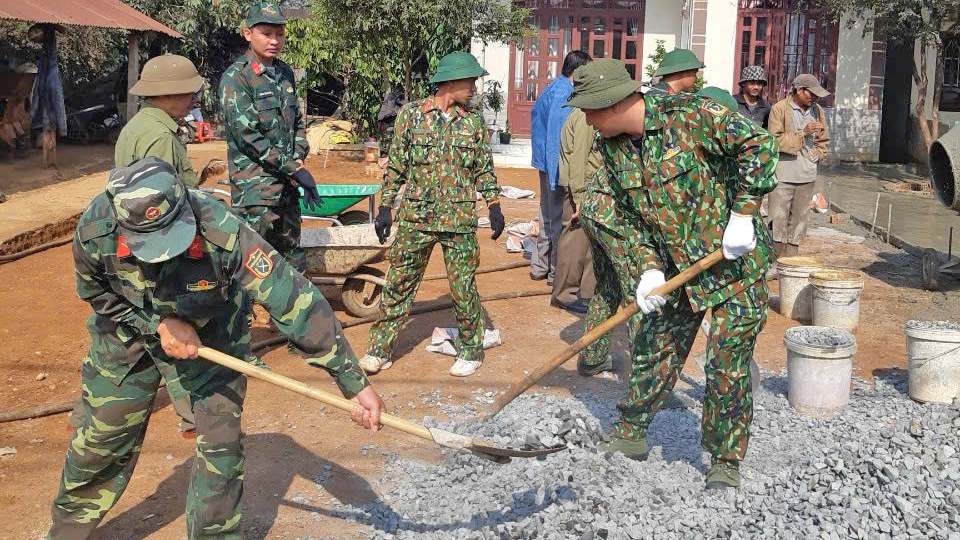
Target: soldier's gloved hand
[368,409]
[739,237]
[496,220]
[650,280]
[383,223]
[311,197]
[178,338]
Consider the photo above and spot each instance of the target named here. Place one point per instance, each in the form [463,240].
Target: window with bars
[950,99]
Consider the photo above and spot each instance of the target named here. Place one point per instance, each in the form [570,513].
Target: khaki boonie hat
[600,84]
[168,75]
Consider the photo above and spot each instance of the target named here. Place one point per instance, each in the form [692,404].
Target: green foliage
[506,127]
[656,58]
[493,98]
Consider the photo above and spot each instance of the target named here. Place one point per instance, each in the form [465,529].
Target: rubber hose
[35,249]
[67,406]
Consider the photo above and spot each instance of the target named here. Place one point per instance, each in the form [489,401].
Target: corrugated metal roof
[100,13]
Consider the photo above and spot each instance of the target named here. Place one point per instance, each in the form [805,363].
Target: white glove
[739,237]
[650,280]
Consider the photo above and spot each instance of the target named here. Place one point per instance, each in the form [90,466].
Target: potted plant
[493,99]
[505,134]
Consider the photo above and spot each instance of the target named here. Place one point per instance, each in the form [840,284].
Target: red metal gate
[602,28]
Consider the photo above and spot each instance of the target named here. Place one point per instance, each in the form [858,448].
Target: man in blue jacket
[546,122]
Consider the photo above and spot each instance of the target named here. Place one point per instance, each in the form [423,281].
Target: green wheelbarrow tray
[337,198]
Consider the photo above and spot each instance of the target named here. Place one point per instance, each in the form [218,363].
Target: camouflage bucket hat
[457,65]
[166,75]
[720,96]
[600,84]
[152,209]
[753,73]
[678,60]
[265,11]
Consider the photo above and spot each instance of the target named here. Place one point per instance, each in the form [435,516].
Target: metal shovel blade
[487,449]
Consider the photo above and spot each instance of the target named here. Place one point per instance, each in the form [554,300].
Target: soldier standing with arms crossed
[166,268]
[440,152]
[266,142]
[678,213]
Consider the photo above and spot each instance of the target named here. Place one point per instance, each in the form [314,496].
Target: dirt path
[291,441]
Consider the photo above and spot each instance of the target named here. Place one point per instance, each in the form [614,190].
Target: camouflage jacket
[666,187]
[443,163]
[264,131]
[207,286]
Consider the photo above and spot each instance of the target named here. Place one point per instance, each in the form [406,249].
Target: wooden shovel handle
[674,283]
[294,385]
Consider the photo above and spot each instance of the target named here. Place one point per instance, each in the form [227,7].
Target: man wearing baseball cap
[799,125]
[678,72]
[750,100]
[266,137]
[166,268]
[677,212]
[170,84]
[441,154]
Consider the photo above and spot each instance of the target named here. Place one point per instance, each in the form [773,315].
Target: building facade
[726,34]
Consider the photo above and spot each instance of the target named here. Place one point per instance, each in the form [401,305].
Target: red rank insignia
[256,67]
[195,251]
[122,249]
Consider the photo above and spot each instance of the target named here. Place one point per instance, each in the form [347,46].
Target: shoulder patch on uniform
[258,264]
[96,229]
[714,108]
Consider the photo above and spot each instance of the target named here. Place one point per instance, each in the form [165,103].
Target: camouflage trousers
[408,257]
[279,226]
[660,349]
[616,275]
[103,452]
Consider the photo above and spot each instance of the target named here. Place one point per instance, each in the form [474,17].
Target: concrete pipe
[945,168]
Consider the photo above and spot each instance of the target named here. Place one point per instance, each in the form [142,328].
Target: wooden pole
[133,71]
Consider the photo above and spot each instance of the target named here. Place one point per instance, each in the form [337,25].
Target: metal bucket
[836,298]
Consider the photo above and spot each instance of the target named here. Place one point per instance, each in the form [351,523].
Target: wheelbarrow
[336,199]
[339,255]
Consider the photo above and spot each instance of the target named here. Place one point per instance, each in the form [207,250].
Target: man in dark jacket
[753,81]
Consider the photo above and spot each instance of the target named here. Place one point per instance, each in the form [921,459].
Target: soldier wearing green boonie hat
[677,72]
[657,151]
[441,154]
[266,136]
[166,268]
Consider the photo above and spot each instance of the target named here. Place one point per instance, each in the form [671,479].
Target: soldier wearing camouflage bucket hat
[441,154]
[753,82]
[678,72]
[266,137]
[169,83]
[656,167]
[166,268]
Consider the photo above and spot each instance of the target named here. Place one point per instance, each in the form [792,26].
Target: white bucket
[933,362]
[796,298]
[836,298]
[818,376]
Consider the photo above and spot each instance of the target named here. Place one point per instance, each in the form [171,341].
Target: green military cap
[152,209]
[457,65]
[166,75]
[720,96]
[264,11]
[600,84]
[678,60]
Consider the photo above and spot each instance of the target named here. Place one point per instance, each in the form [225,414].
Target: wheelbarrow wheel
[362,298]
[354,217]
[930,270]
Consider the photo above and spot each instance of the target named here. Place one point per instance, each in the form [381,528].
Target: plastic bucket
[796,294]
[836,298]
[933,363]
[818,375]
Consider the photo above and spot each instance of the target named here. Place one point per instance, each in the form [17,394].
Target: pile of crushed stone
[933,325]
[884,468]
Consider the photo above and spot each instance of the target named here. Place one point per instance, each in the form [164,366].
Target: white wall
[662,20]
[854,60]
[495,58]
[720,50]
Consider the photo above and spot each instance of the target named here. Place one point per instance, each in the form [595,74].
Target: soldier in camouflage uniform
[655,152]
[165,267]
[440,153]
[678,72]
[266,141]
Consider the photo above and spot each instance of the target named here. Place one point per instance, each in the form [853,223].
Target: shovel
[478,447]
[674,283]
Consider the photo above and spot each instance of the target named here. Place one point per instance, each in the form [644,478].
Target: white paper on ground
[442,340]
[511,192]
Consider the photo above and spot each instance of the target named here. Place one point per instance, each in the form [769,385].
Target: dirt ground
[73,160]
[290,439]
